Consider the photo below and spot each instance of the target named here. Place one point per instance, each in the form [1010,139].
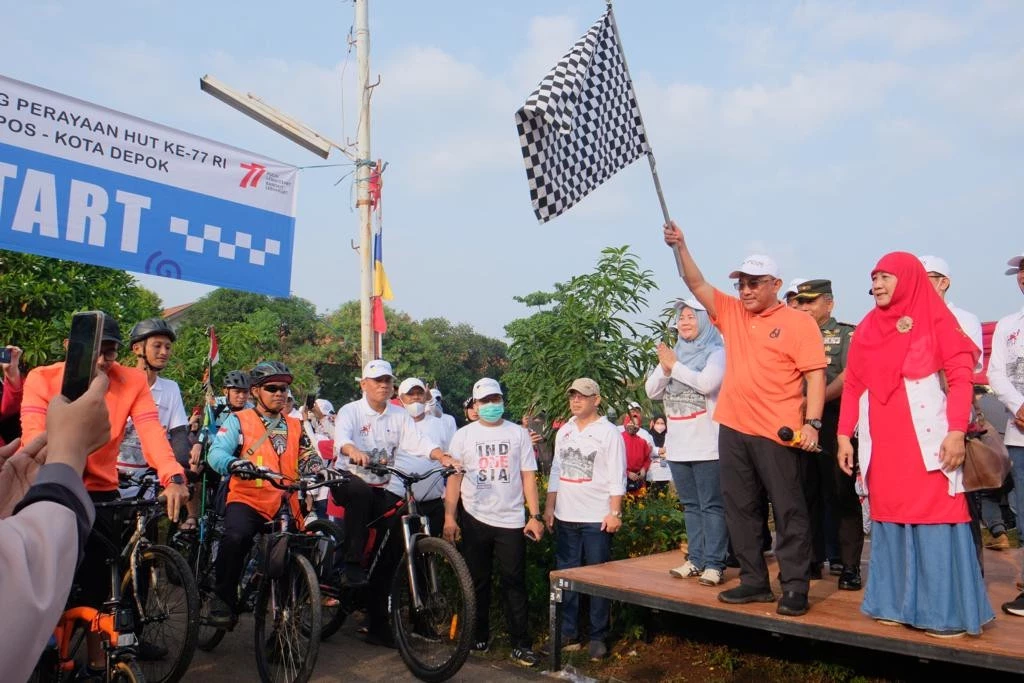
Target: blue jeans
[578,544]
[703,510]
[1017,499]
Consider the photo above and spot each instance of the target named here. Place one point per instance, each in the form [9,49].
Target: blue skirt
[926,576]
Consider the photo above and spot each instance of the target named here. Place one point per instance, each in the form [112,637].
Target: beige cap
[585,386]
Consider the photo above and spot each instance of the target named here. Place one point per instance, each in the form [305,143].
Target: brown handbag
[987,462]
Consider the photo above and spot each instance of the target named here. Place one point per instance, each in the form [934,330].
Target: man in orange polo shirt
[127,396]
[771,352]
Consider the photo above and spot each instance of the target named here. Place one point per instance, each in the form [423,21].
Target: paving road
[343,657]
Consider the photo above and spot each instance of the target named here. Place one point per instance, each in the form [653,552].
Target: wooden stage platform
[834,616]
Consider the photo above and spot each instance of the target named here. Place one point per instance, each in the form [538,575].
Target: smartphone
[5,355]
[536,425]
[310,401]
[83,351]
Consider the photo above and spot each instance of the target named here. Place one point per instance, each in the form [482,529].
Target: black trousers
[358,498]
[751,466]
[241,524]
[384,572]
[840,491]
[93,576]
[481,545]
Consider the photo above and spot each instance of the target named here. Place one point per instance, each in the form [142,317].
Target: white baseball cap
[436,393]
[325,406]
[633,404]
[1014,264]
[757,264]
[486,387]
[935,264]
[409,384]
[791,290]
[377,368]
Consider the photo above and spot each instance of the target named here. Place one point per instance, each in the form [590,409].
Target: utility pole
[362,31]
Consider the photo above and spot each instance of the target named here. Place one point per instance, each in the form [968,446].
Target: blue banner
[86,184]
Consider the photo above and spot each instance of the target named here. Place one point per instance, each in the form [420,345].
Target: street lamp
[254,107]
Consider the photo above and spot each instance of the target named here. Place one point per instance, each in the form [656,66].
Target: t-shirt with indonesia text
[494,458]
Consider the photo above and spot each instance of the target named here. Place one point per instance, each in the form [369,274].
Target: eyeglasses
[109,354]
[752,284]
[275,388]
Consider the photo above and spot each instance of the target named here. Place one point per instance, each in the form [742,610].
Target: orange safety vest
[256,493]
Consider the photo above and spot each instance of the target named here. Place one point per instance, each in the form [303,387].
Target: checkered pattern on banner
[582,124]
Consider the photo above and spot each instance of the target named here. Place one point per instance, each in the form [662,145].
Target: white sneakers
[688,570]
[710,577]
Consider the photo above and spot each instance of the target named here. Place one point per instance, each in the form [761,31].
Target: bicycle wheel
[434,641]
[333,608]
[127,671]
[169,618]
[287,624]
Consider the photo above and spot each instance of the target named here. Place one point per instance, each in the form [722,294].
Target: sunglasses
[752,284]
[275,388]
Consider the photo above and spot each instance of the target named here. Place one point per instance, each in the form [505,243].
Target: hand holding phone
[5,355]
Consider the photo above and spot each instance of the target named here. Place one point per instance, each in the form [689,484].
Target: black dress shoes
[850,580]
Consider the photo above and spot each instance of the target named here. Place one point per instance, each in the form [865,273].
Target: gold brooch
[904,324]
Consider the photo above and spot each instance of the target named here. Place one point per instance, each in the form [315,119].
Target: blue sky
[822,133]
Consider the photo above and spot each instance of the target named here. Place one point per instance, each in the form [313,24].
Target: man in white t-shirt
[938,274]
[1006,377]
[151,341]
[500,475]
[436,409]
[429,493]
[588,480]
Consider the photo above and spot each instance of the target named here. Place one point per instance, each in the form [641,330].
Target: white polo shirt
[379,435]
[971,326]
[1006,370]
[429,489]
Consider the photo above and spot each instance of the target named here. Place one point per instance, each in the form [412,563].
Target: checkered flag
[582,124]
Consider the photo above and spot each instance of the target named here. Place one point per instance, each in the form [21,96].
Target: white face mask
[415,408]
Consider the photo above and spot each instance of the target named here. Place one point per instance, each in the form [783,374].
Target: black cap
[111,330]
[812,289]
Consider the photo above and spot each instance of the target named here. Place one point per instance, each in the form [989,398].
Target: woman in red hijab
[923,570]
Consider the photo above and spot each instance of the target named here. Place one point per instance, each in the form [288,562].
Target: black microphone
[794,438]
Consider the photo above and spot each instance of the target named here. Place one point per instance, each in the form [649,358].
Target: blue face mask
[491,412]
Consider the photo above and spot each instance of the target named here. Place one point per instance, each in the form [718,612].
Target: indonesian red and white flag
[214,356]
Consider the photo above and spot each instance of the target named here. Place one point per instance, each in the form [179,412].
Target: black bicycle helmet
[236,379]
[111,330]
[152,327]
[267,371]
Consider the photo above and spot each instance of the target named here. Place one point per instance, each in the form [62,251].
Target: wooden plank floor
[834,616]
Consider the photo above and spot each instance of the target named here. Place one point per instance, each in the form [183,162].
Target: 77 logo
[253,175]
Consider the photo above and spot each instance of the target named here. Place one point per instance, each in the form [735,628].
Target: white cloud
[840,24]
[991,85]
[812,98]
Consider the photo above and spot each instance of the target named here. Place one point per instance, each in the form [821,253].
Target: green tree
[468,356]
[583,329]
[250,328]
[38,295]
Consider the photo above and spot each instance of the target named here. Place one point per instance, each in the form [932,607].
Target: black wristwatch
[814,423]
[539,517]
[177,479]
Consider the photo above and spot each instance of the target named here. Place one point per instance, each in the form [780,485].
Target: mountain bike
[432,604]
[279,585]
[155,592]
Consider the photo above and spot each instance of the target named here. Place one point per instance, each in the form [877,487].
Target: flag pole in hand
[582,125]
[650,152]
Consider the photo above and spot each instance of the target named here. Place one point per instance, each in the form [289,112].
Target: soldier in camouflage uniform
[835,488]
